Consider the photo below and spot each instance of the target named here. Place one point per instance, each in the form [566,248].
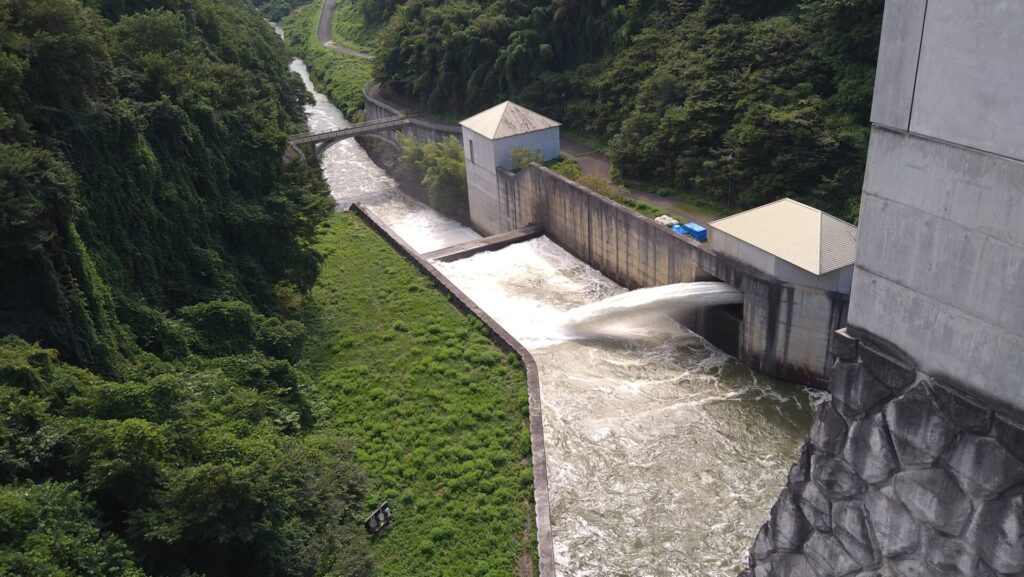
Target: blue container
[679,228]
[696,231]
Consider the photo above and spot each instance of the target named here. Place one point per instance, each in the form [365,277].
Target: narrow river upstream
[664,454]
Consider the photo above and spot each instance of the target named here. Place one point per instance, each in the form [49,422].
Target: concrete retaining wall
[422,130]
[542,506]
[786,329]
[902,476]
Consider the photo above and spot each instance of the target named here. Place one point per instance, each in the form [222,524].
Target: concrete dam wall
[781,329]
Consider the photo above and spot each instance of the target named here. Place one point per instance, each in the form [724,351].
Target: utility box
[696,231]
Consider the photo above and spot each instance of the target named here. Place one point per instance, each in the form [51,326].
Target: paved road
[325,35]
[596,163]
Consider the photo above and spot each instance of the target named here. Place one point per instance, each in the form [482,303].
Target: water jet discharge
[668,300]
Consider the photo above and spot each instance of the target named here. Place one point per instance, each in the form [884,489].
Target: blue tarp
[696,231]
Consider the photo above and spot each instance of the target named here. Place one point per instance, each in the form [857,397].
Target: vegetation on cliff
[152,244]
[439,415]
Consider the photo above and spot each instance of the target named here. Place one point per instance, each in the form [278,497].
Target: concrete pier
[494,242]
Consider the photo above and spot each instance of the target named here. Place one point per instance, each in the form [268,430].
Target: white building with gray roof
[488,139]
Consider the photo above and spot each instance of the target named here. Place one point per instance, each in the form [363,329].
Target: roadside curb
[542,507]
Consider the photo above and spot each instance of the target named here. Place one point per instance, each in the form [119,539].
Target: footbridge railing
[351,131]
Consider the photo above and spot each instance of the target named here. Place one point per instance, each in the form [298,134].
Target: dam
[663,452]
[912,466]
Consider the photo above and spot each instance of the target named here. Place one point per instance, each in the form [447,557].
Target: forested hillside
[740,102]
[152,247]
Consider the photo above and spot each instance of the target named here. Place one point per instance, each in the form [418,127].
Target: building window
[472,157]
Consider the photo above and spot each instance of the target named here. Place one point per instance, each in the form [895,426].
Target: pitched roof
[804,236]
[507,119]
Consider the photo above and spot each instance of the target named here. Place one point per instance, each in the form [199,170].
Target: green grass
[339,76]
[350,29]
[439,414]
[684,202]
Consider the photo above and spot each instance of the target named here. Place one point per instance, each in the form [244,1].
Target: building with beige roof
[488,139]
[791,241]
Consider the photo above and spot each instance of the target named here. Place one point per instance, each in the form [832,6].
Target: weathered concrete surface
[896,73]
[487,162]
[918,481]
[488,243]
[542,504]
[785,330]
[971,75]
[940,262]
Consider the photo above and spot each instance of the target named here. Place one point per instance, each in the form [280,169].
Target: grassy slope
[350,29]
[339,76]
[438,412]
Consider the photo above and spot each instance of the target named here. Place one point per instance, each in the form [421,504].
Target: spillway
[664,454]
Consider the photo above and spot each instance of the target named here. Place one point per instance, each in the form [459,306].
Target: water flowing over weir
[664,454]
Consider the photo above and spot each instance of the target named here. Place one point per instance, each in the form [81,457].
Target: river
[664,454]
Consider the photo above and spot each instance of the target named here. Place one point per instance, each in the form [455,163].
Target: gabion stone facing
[902,476]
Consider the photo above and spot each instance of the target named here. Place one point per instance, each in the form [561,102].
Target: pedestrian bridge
[351,131]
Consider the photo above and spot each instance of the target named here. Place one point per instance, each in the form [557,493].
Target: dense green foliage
[339,76]
[47,530]
[440,169]
[438,413]
[275,10]
[201,464]
[738,102]
[140,169]
[149,232]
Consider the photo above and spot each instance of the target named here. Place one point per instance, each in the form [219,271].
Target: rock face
[901,476]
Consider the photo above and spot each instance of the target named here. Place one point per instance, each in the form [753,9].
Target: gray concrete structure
[916,465]
[782,329]
[940,264]
[485,244]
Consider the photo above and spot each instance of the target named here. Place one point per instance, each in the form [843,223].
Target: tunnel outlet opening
[721,325]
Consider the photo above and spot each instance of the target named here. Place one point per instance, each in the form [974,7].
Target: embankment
[441,416]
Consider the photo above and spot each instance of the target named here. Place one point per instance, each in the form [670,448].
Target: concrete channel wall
[421,129]
[785,330]
[542,505]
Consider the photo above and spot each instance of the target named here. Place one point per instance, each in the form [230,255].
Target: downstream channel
[664,454]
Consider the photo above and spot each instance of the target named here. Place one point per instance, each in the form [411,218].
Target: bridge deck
[360,129]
